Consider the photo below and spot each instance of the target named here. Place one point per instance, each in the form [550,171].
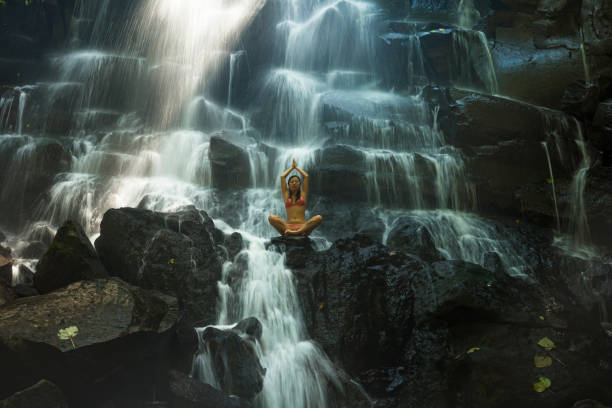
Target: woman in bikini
[295,204]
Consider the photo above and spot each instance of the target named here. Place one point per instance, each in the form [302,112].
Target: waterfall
[552,184]
[578,222]
[298,373]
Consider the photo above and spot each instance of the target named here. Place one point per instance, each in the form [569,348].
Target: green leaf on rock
[542,361]
[473,349]
[547,343]
[542,385]
[68,332]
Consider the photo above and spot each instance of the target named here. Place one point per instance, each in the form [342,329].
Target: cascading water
[147,96]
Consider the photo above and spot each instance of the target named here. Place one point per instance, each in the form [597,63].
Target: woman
[295,196]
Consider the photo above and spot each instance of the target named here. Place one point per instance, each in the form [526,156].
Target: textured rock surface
[450,333]
[187,392]
[42,394]
[235,362]
[102,310]
[70,258]
[173,253]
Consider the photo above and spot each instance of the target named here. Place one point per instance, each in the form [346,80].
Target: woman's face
[294,184]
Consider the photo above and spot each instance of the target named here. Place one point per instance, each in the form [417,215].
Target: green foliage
[2,2]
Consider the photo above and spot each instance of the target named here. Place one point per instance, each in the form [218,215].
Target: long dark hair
[299,192]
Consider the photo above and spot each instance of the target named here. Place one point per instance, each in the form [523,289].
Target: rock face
[6,270]
[229,165]
[409,237]
[173,253]
[102,310]
[237,368]
[42,394]
[191,393]
[70,258]
[450,333]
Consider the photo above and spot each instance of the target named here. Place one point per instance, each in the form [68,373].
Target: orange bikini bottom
[294,227]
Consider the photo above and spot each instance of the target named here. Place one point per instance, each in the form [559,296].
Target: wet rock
[234,244]
[603,115]
[5,252]
[588,403]
[601,138]
[423,330]
[6,270]
[580,99]
[34,250]
[187,392]
[350,395]
[492,262]
[174,253]
[357,302]
[229,165]
[340,169]
[70,258]
[250,326]
[2,236]
[42,394]
[410,237]
[25,275]
[25,290]
[235,364]
[296,248]
[598,193]
[7,293]
[102,310]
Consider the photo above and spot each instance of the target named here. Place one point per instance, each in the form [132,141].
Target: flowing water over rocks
[201,106]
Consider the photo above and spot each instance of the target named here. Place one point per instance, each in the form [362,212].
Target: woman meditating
[295,196]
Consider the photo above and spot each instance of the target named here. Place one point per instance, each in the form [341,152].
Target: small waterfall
[22,104]
[578,222]
[465,236]
[552,184]
[267,292]
[336,36]
[294,97]
[473,63]
[466,14]
[235,58]
[587,74]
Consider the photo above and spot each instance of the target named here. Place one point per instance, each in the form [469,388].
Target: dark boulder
[175,253]
[340,174]
[34,250]
[70,258]
[410,237]
[6,270]
[25,275]
[42,394]
[7,293]
[102,310]
[580,99]
[296,248]
[229,165]
[188,392]
[25,290]
[41,232]
[5,252]
[425,334]
[250,326]
[349,395]
[357,302]
[235,364]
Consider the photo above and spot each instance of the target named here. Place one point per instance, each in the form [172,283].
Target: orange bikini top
[289,203]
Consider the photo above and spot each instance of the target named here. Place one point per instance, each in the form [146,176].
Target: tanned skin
[296,214]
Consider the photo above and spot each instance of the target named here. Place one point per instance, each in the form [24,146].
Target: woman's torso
[296,211]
